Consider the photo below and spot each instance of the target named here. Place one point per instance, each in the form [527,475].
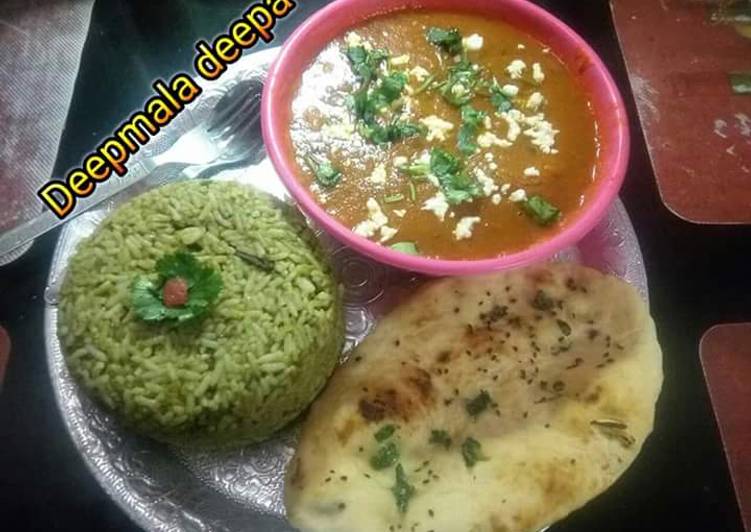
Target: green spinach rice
[251,364]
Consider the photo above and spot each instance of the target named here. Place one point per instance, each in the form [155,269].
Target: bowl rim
[590,214]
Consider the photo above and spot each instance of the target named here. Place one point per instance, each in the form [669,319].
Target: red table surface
[697,130]
[726,358]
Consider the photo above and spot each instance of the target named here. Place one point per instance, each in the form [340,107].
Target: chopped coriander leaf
[440,437]
[385,432]
[365,63]
[326,174]
[449,40]
[385,456]
[499,99]
[403,491]
[204,285]
[405,247]
[425,84]
[478,404]
[412,192]
[471,121]
[396,130]
[540,210]
[394,198]
[459,87]
[472,116]
[443,162]
[456,186]
[472,452]
[418,169]
[465,140]
[391,86]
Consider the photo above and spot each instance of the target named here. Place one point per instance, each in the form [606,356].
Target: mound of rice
[251,365]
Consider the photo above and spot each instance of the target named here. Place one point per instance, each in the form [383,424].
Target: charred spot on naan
[405,396]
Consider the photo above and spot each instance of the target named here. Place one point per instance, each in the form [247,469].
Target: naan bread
[554,370]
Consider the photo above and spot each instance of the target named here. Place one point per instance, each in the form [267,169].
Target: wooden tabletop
[680,56]
[726,357]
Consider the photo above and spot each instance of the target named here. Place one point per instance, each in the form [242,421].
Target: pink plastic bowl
[336,18]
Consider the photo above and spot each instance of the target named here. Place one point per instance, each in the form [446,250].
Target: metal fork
[231,137]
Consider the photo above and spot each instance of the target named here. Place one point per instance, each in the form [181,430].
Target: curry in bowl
[448,135]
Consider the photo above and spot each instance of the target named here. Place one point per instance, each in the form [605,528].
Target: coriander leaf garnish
[392,132]
[425,84]
[450,40]
[364,62]
[461,83]
[405,247]
[440,437]
[325,173]
[385,432]
[376,93]
[203,287]
[540,210]
[478,404]
[456,186]
[394,198]
[403,491]
[472,452]
[385,456]
[499,99]
[471,121]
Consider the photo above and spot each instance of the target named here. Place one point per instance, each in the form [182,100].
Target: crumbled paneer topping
[537,74]
[487,122]
[531,171]
[514,129]
[437,127]
[541,132]
[463,227]
[534,101]
[518,195]
[419,73]
[387,233]
[365,228]
[379,174]
[376,220]
[401,60]
[510,90]
[486,182]
[496,199]
[488,156]
[375,212]
[400,160]
[437,205]
[400,212]
[520,46]
[505,188]
[473,42]
[354,39]
[516,68]
[340,130]
[488,139]
[493,166]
